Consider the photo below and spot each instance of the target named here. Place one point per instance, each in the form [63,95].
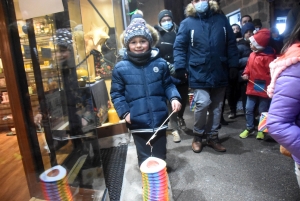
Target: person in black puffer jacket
[244,52]
[167,30]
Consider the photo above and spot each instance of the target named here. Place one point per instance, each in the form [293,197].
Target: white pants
[297,171]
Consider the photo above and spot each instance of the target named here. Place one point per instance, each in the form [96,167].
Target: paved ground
[249,170]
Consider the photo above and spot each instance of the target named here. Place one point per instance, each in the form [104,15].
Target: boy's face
[236,29]
[63,53]
[253,48]
[248,34]
[138,45]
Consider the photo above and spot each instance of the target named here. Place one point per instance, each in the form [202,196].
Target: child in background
[257,73]
[141,87]
[237,31]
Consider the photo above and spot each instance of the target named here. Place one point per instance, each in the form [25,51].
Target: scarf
[139,59]
[290,57]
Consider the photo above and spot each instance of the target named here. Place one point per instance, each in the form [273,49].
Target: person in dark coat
[140,88]
[237,88]
[167,30]
[244,53]
[276,41]
[205,49]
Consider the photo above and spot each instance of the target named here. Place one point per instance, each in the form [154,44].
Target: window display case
[64,70]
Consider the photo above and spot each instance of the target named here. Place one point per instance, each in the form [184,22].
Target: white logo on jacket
[155,69]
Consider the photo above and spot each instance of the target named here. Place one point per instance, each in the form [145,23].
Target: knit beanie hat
[164,13]
[137,29]
[248,26]
[260,39]
[137,14]
[63,37]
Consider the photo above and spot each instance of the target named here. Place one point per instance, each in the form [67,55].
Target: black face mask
[139,59]
[238,35]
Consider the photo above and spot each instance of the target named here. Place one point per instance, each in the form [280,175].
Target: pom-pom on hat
[137,29]
[260,39]
[137,14]
[164,13]
[248,26]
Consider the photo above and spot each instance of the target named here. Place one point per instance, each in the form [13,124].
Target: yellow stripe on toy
[155,180]
[262,126]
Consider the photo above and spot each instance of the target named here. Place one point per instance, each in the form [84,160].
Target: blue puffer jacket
[206,46]
[143,91]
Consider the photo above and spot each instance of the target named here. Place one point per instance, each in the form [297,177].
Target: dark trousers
[183,91]
[233,94]
[159,144]
[243,88]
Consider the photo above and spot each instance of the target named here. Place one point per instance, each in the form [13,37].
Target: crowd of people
[242,62]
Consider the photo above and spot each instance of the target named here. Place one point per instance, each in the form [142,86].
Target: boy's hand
[245,77]
[176,105]
[127,118]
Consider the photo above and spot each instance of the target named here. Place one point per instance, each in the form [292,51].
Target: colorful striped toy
[262,125]
[155,180]
[55,185]
[192,102]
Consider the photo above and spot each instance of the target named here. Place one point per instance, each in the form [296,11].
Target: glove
[181,74]
[233,73]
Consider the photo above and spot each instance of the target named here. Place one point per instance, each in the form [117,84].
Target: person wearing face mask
[167,30]
[244,53]
[237,88]
[205,49]
[257,24]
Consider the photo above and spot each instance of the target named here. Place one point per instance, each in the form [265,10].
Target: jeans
[173,124]
[263,106]
[159,144]
[208,100]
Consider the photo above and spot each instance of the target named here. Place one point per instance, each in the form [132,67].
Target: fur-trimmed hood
[154,34]
[190,10]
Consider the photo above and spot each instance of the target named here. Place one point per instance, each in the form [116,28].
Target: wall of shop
[256,9]
[266,10]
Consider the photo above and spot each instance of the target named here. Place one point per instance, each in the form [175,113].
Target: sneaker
[176,136]
[260,135]
[181,123]
[231,115]
[246,133]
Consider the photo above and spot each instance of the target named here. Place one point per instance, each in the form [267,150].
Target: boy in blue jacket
[141,87]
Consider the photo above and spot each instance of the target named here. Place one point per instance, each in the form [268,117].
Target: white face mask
[201,6]
[257,29]
[167,25]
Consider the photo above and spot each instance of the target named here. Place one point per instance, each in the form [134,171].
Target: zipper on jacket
[147,95]
[192,37]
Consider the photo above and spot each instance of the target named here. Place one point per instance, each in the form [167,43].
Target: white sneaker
[176,136]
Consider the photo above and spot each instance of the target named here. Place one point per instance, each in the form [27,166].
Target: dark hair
[257,22]
[236,25]
[246,16]
[295,36]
